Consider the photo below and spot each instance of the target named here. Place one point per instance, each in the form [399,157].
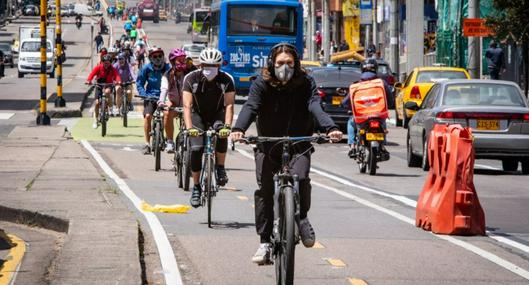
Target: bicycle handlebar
[258,139]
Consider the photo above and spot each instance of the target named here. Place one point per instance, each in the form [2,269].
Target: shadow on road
[496,172]
[19,105]
[397,175]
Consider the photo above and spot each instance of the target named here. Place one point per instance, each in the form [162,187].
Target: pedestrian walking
[99,41]
[495,61]
[1,64]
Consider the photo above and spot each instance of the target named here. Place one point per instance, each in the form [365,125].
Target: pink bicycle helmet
[176,52]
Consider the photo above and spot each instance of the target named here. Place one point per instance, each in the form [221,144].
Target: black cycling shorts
[197,143]
[149,107]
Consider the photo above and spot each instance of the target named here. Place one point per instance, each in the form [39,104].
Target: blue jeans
[351,131]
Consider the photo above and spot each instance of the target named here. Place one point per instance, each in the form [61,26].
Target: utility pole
[394,36]
[313,29]
[474,49]
[59,100]
[42,118]
[308,35]
[375,35]
[326,33]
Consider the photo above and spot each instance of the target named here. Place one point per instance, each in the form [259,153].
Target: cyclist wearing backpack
[127,75]
[369,72]
[148,83]
[209,96]
[284,101]
[171,93]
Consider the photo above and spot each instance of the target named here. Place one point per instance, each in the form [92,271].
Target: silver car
[496,111]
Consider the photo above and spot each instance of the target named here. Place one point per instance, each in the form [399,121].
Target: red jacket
[110,75]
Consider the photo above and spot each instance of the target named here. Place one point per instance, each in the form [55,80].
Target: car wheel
[425,165]
[525,167]
[12,65]
[20,75]
[413,160]
[509,164]
[405,119]
[398,122]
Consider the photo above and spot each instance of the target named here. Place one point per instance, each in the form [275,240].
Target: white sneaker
[263,254]
[115,111]
[94,124]
[169,147]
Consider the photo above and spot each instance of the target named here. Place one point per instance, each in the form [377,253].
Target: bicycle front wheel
[209,187]
[124,110]
[284,259]
[157,146]
[103,117]
[186,165]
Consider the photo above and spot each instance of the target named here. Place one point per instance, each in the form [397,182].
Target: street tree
[511,23]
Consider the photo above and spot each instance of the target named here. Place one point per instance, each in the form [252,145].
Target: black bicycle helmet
[370,65]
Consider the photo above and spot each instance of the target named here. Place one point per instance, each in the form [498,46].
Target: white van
[29,51]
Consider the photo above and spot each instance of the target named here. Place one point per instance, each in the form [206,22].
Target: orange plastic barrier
[448,203]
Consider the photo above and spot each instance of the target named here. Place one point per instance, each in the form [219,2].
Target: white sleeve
[164,88]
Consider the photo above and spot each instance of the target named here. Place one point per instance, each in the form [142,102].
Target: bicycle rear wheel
[178,160]
[284,259]
[209,186]
[157,146]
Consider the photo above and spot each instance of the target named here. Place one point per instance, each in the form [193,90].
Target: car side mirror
[398,85]
[410,105]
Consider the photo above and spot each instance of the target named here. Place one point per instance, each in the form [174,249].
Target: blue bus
[245,30]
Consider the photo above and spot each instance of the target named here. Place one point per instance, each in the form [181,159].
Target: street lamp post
[42,117]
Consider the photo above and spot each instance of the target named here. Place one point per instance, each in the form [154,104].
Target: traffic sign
[475,28]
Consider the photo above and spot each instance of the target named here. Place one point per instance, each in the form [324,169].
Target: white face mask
[210,72]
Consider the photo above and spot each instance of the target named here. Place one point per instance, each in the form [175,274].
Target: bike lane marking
[167,258]
[465,245]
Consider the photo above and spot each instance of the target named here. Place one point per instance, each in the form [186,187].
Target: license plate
[375,136]
[488,125]
[336,100]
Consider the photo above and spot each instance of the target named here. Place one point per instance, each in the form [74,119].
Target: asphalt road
[364,224]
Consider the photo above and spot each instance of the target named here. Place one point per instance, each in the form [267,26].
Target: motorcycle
[370,110]
[370,138]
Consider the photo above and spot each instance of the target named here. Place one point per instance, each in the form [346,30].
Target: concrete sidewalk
[49,181]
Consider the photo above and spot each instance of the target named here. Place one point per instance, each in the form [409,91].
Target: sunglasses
[157,56]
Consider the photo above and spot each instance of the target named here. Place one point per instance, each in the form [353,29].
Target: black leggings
[264,196]
[197,143]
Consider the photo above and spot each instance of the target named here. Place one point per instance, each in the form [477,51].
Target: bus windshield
[259,20]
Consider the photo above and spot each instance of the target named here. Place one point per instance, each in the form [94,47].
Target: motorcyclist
[369,72]
[79,20]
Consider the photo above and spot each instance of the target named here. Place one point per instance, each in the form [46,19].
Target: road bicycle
[285,233]
[103,106]
[208,177]
[182,154]
[125,102]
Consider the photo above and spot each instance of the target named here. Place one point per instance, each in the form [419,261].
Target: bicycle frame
[209,152]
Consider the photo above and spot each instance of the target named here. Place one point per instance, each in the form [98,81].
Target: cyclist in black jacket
[284,102]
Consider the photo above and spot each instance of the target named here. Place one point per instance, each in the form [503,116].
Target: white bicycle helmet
[210,56]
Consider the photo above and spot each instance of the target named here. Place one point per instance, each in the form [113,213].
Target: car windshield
[34,47]
[384,69]
[437,75]
[345,75]
[482,94]
[194,48]
[259,20]
[5,47]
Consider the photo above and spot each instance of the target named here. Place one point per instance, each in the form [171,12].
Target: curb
[25,217]
[10,268]
[68,112]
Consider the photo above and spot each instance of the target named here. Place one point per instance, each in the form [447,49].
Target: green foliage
[511,22]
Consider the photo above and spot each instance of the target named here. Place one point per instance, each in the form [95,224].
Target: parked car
[64,11]
[333,86]
[417,84]
[8,55]
[71,10]
[497,112]
[31,10]
[193,50]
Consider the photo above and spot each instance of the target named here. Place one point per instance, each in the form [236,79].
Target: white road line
[167,257]
[487,167]
[6,116]
[489,256]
